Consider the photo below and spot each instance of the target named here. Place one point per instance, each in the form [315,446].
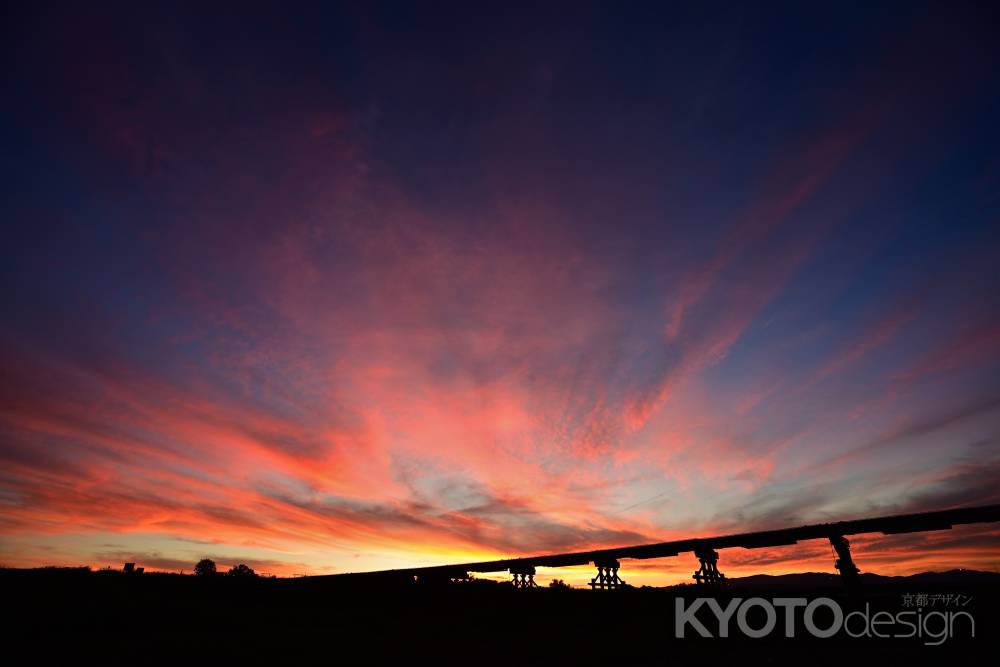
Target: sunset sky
[377,286]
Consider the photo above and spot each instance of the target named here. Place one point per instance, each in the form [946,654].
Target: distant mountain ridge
[820,579]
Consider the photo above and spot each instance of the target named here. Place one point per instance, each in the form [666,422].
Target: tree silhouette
[242,570]
[558,583]
[205,567]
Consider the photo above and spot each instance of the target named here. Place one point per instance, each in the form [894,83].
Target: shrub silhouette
[242,570]
[205,567]
[558,583]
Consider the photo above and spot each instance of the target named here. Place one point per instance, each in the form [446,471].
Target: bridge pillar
[708,574]
[607,575]
[523,576]
[845,564]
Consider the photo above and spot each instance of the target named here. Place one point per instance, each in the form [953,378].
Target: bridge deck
[887,525]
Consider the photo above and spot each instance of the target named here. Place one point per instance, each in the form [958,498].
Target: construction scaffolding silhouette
[708,574]
[523,577]
[607,575]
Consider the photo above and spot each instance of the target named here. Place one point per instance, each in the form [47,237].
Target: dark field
[110,617]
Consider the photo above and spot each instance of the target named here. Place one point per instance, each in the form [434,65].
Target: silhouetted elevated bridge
[607,561]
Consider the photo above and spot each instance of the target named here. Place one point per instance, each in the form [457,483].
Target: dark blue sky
[310,282]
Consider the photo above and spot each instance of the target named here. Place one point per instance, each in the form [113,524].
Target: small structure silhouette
[708,574]
[607,575]
[523,576]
